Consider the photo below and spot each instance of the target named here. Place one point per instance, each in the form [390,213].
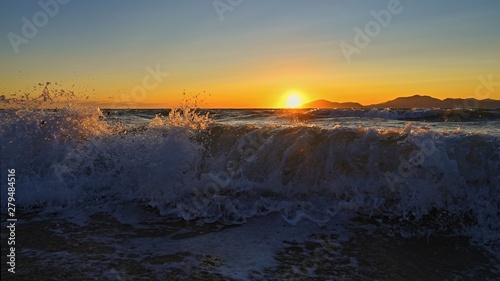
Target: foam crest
[185,165]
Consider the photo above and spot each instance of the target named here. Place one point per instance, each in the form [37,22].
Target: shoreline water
[252,195]
[265,248]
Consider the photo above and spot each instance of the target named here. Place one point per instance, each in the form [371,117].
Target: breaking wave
[185,165]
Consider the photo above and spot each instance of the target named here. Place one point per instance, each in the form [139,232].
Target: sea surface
[252,194]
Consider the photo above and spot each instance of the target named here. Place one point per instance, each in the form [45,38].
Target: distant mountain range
[410,102]
[329,104]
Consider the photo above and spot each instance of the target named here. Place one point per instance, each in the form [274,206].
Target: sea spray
[79,158]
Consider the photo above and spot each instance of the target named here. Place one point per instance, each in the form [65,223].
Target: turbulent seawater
[253,194]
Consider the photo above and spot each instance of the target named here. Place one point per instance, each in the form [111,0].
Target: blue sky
[261,49]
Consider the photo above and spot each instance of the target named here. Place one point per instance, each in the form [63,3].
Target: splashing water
[410,181]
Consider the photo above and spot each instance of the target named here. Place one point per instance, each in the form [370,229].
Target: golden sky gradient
[255,54]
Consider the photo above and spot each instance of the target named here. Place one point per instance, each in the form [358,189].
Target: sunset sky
[251,53]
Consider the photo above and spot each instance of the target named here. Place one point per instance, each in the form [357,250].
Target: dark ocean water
[254,194]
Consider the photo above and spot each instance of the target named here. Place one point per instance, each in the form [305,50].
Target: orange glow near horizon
[151,61]
[257,95]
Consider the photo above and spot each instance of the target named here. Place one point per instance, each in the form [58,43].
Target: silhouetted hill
[471,103]
[411,102]
[329,104]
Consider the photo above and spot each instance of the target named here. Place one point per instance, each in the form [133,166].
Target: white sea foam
[185,165]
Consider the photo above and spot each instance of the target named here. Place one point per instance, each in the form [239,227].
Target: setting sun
[293,101]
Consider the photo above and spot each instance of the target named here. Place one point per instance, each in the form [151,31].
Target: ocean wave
[188,166]
[416,114]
